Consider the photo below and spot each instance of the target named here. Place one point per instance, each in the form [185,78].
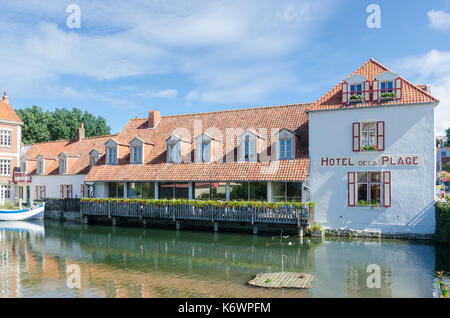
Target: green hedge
[443,222]
[201,203]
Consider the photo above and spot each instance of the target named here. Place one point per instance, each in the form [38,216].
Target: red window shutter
[387,189]
[380,135]
[366,90]
[70,191]
[398,88]
[344,93]
[61,191]
[351,186]
[356,136]
[376,91]
[45,193]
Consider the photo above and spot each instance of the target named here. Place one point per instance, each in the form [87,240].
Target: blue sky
[179,57]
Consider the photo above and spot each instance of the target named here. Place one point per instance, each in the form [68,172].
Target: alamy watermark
[374,19]
[74,19]
[73,274]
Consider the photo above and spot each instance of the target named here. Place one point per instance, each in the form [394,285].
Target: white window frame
[174,149]
[112,146]
[5,167]
[62,168]
[368,131]
[283,136]
[248,147]
[369,183]
[134,145]
[5,135]
[203,143]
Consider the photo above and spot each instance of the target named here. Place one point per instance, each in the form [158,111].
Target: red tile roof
[411,93]
[77,151]
[8,113]
[155,167]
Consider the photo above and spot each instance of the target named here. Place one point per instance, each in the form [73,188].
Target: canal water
[50,259]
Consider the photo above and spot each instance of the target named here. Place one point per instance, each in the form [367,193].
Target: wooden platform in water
[282,280]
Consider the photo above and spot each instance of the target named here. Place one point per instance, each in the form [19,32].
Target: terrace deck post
[114,221]
[216,227]
[178,225]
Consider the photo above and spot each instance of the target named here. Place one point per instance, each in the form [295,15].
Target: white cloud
[218,45]
[432,68]
[439,20]
[166,93]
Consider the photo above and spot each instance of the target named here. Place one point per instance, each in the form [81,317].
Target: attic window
[136,154]
[356,93]
[387,90]
[62,166]
[112,154]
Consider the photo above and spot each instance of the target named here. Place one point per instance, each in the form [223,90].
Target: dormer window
[203,148]
[248,148]
[174,149]
[111,151]
[62,165]
[136,151]
[286,144]
[40,165]
[387,86]
[94,155]
[355,89]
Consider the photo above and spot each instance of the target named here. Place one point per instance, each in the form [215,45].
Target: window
[249,148]
[286,191]
[40,192]
[368,136]
[206,152]
[356,89]
[387,87]
[23,166]
[92,161]
[285,148]
[141,190]
[112,155]
[65,191]
[248,191]
[210,191]
[5,138]
[173,190]
[5,192]
[137,154]
[62,165]
[175,152]
[40,166]
[5,167]
[368,187]
[115,189]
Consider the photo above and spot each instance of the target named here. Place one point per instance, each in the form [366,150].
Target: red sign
[21,177]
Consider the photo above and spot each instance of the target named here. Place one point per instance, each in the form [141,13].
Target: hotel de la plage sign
[372,161]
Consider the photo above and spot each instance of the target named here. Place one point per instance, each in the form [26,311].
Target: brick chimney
[81,133]
[153,118]
[5,98]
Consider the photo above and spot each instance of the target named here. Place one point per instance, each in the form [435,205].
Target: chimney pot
[5,98]
[81,132]
[153,118]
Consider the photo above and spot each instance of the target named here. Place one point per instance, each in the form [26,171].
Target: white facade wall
[409,130]
[52,185]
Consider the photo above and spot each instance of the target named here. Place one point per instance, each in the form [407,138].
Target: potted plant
[369,148]
[316,230]
[387,96]
[356,98]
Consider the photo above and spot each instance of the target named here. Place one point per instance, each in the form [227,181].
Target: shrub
[443,222]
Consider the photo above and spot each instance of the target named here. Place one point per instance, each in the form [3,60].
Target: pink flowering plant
[444,176]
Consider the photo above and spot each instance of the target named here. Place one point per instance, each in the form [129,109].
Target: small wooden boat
[32,213]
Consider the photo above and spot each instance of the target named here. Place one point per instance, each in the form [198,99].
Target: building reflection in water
[130,262]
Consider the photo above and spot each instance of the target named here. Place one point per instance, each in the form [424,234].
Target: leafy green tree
[41,126]
[446,167]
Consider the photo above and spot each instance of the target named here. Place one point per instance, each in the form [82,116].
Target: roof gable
[411,94]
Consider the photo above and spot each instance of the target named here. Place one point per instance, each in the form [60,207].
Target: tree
[41,126]
[446,167]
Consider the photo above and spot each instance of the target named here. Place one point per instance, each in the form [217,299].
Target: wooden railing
[295,215]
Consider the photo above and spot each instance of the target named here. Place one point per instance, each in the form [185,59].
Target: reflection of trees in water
[357,282]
